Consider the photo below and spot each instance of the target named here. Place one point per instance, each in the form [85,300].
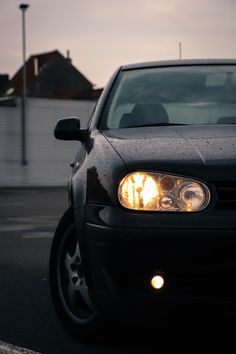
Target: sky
[104,34]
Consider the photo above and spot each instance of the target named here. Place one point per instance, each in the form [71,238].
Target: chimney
[36,67]
[68,57]
[4,79]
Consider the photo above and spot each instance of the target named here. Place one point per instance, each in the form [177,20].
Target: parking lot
[28,218]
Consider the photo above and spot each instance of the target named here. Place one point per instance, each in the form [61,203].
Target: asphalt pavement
[28,218]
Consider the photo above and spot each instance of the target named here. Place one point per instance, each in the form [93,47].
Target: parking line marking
[6,348]
[11,204]
[35,235]
[10,228]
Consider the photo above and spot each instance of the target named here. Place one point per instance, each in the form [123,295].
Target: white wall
[48,159]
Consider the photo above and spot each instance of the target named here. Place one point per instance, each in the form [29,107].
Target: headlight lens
[161,192]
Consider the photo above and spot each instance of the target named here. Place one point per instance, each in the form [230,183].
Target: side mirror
[69,129]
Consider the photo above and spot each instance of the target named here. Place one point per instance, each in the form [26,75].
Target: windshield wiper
[154,125]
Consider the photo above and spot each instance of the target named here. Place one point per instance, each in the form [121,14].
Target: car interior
[145,114]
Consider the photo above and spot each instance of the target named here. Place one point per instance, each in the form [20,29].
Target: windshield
[172,96]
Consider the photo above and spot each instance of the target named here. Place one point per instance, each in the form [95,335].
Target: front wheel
[68,286]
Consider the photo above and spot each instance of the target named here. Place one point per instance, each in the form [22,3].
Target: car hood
[204,151]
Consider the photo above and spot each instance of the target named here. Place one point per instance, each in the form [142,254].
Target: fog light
[157,282]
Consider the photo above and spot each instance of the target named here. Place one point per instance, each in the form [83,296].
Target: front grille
[208,283]
[226,192]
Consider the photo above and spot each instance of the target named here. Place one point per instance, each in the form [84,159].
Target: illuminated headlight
[161,192]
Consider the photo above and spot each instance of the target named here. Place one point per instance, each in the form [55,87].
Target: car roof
[180,62]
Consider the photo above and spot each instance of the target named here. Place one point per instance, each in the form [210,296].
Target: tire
[69,292]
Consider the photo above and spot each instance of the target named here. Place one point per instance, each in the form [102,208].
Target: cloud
[103,34]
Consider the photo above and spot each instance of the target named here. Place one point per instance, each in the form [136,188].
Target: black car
[152,216]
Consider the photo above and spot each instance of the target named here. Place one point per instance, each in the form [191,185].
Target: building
[50,75]
[55,89]
[48,159]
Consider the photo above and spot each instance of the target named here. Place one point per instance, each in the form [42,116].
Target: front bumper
[194,253]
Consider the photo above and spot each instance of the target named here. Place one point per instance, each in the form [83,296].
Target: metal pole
[23,7]
[180,50]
